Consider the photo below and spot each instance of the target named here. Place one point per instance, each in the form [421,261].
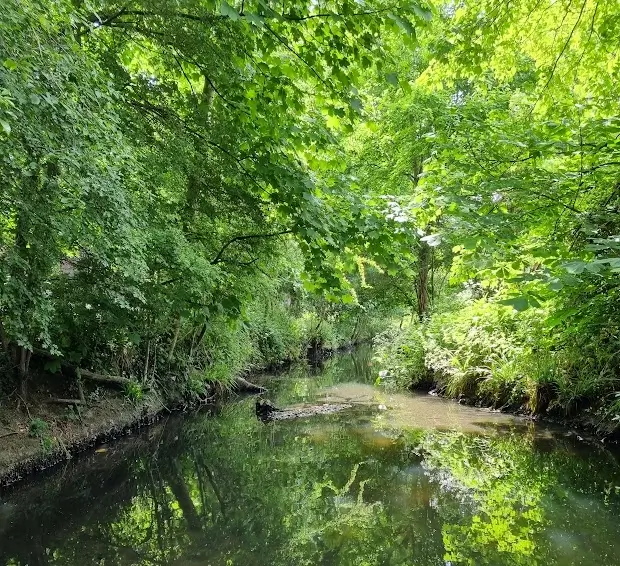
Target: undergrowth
[482,351]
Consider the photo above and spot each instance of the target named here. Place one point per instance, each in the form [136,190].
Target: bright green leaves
[227,10]
[403,23]
[596,266]
[10,64]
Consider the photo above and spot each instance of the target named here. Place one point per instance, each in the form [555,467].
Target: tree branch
[218,258]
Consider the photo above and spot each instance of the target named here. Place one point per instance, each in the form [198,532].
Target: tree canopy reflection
[339,490]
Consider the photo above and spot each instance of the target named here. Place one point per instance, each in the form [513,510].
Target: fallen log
[100,378]
[266,412]
[84,373]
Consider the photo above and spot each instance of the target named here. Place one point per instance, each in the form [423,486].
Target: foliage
[177,206]
[160,192]
[133,391]
[484,351]
[40,429]
[501,150]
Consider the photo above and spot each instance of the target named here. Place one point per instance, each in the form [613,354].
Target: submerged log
[266,412]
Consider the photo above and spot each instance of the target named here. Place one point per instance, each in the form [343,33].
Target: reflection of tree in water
[516,495]
[303,382]
[230,490]
[239,491]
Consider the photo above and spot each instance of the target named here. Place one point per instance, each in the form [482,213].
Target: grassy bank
[480,351]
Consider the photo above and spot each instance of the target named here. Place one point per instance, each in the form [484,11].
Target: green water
[399,480]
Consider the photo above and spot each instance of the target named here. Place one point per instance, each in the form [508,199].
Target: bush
[402,355]
[484,351]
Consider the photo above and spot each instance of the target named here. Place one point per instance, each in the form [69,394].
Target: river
[399,480]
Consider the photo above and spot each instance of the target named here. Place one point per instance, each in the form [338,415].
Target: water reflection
[368,487]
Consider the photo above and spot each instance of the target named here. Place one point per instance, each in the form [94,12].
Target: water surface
[399,480]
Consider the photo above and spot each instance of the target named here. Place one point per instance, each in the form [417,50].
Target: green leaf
[356,104]
[518,303]
[392,78]
[575,267]
[227,10]
[403,24]
[556,285]
[6,127]
[255,19]
[422,13]
[10,64]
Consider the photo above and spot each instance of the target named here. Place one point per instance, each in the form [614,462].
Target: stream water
[399,480]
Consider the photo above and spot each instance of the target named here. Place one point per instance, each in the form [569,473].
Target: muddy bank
[586,422]
[43,434]
[47,435]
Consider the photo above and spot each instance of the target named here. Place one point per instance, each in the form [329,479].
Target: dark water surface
[400,480]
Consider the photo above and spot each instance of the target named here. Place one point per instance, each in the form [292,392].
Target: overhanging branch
[219,259]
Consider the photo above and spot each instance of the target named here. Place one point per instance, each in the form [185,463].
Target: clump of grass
[40,429]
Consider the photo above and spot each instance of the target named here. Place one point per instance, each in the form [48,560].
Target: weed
[40,429]
[134,391]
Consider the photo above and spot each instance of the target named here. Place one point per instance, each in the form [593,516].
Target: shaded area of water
[398,480]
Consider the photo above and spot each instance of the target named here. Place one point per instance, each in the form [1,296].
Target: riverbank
[484,354]
[220,486]
[46,434]
[43,434]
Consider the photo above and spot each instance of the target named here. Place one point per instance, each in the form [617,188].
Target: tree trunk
[22,372]
[422,280]
[6,345]
[177,484]
[175,339]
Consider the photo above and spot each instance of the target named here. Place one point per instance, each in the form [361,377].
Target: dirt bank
[45,434]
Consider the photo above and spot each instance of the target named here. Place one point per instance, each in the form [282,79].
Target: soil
[41,433]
